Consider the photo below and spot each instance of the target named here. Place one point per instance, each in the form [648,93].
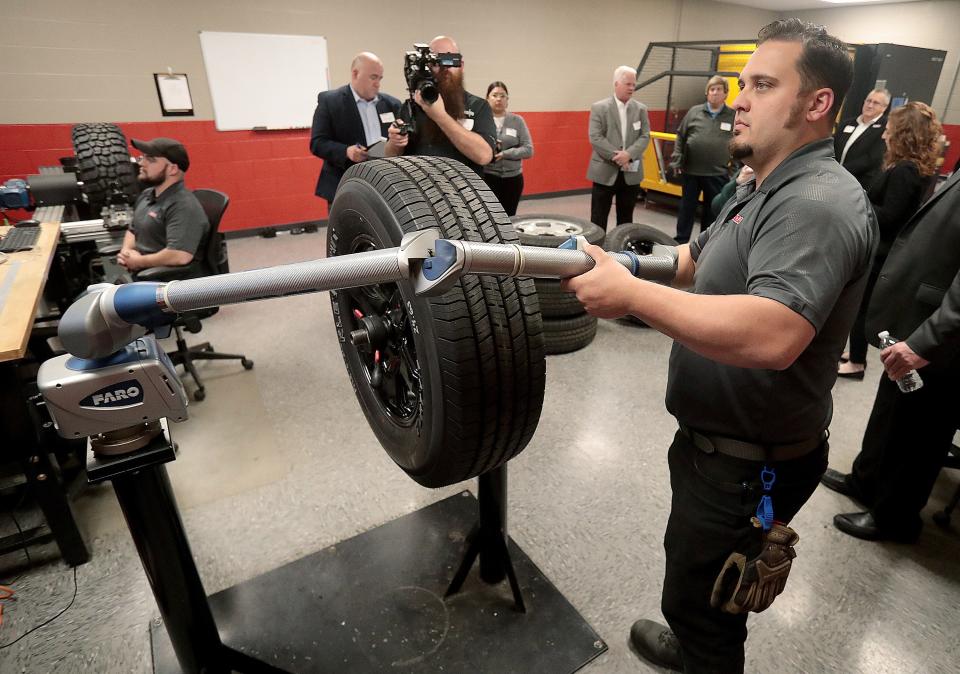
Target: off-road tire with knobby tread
[104,161]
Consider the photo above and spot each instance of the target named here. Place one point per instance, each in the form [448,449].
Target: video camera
[418,72]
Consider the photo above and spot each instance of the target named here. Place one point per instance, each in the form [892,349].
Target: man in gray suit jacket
[917,300]
[619,133]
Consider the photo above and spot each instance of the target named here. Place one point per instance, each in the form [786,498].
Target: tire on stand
[104,165]
[451,385]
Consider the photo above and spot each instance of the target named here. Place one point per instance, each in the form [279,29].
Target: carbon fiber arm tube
[512,260]
[345,271]
[102,322]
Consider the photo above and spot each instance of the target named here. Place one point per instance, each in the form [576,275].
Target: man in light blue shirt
[349,120]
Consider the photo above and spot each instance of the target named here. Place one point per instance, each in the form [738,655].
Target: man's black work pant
[602,196]
[714,497]
[906,441]
[711,186]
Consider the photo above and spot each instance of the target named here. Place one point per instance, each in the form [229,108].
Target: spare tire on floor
[104,165]
[452,385]
[554,302]
[549,231]
[563,335]
[637,238]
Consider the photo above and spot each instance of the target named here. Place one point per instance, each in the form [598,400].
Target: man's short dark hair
[824,62]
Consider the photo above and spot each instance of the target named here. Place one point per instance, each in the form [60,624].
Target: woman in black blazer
[909,175]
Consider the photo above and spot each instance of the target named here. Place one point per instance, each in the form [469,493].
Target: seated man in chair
[169,225]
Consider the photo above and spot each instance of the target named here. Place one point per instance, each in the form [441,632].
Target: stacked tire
[567,326]
[104,164]
[637,238]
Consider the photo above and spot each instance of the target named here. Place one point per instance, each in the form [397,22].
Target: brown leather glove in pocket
[752,585]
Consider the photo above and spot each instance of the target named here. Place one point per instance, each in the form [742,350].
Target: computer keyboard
[19,238]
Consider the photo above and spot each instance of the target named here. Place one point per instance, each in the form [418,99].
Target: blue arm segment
[139,304]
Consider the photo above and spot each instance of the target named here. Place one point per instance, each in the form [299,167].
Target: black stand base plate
[375,603]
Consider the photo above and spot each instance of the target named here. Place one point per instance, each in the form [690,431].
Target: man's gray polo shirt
[804,239]
[174,220]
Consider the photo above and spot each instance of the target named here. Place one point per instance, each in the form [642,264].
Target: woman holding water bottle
[916,306]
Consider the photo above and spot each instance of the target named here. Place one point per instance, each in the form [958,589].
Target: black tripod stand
[488,538]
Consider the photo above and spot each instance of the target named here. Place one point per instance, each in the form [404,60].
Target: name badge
[725,126]
[875,126]
[467,124]
[848,129]
[637,125]
[387,117]
[511,132]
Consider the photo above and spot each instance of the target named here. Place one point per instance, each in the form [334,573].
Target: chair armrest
[109,249]
[192,270]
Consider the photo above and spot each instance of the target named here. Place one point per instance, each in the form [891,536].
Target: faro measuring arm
[101,323]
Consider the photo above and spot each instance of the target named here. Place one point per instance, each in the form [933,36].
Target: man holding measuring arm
[776,279]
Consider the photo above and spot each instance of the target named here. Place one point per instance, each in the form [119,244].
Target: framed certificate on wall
[173,90]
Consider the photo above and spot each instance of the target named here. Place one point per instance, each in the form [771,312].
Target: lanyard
[764,515]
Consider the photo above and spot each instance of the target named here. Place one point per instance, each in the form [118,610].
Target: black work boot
[657,644]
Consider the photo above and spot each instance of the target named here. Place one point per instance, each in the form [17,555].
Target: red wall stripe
[270,175]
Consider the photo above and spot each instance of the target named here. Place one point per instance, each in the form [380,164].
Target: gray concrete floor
[279,462]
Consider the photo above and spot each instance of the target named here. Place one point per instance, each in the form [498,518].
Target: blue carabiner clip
[768,477]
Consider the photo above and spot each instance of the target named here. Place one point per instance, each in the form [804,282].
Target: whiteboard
[260,81]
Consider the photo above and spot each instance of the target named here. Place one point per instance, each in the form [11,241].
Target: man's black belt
[751,451]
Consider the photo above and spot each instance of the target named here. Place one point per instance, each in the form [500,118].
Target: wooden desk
[26,436]
[22,278]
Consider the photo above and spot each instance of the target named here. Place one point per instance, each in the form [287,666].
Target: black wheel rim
[391,360]
[639,246]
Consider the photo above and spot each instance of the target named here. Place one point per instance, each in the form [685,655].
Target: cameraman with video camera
[443,119]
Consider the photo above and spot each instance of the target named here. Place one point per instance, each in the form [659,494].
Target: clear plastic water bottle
[911,381]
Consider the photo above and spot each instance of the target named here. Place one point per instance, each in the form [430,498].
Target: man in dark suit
[916,299]
[858,143]
[349,120]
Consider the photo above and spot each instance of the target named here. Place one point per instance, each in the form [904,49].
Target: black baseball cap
[168,148]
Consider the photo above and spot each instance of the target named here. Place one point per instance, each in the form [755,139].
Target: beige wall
[933,25]
[70,61]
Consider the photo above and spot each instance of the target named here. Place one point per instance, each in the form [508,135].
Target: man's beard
[451,89]
[741,151]
[146,181]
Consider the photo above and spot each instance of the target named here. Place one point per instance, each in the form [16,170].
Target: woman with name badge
[504,174]
[909,174]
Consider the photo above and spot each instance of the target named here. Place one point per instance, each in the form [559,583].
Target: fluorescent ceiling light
[852,2]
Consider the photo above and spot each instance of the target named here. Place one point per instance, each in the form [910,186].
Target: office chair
[214,261]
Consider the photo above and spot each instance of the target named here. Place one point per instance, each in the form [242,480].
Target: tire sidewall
[357,211]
